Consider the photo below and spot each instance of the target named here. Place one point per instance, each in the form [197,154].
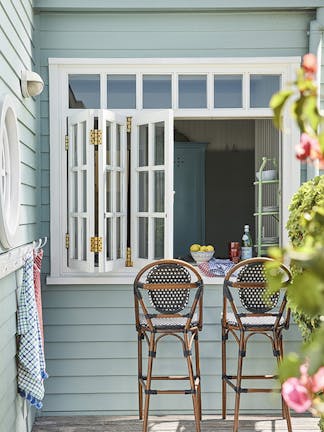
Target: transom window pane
[228,91]
[121,91]
[262,88]
[156,91]
[84,91]
[192,91]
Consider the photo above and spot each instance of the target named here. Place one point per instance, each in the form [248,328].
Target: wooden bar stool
[249,310]
[168,302]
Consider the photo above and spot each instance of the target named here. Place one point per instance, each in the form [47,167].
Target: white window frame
[60,68]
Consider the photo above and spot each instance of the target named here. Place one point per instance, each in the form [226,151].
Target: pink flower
[318,380]
[309,65]
[308,148]
[296,395]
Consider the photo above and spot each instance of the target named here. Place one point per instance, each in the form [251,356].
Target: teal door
[189,198]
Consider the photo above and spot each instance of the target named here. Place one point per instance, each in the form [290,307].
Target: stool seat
[177,323]
[254,321]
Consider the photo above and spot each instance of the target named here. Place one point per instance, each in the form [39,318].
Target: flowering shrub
[302,375]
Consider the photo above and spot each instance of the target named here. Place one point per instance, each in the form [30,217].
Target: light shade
[31,83]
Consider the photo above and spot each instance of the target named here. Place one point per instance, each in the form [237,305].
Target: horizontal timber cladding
[91,344]
[91,351]
[17,52]
[145,34]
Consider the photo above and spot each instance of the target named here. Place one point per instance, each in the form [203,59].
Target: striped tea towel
[31,362]
[216,267]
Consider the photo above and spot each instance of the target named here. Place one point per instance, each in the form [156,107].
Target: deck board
[170,424]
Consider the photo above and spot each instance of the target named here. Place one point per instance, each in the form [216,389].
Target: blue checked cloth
[216,267]
[31,361]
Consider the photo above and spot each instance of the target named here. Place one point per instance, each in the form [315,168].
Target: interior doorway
[213,202]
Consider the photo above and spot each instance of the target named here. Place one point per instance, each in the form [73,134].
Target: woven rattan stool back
[169,301]
[256,300]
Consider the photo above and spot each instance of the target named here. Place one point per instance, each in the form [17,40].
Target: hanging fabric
[31,362]
[38,256]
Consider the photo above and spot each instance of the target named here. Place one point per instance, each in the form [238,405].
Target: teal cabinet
[189,198]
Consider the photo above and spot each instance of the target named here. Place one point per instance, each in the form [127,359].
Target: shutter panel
[80,191]
[152,149]
[112,187]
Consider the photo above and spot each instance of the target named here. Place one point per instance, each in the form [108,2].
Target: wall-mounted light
[31,83]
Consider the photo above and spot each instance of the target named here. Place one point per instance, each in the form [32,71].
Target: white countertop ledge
[124,278]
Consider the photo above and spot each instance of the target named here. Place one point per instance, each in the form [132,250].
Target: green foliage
[309,195]
[304,107]
[305,228]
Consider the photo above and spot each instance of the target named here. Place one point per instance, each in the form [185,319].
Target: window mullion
[79,190]
[151,191]
[114,190]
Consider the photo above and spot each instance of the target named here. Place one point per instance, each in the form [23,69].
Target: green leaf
[289,367]
[277,103]
[306,293]
[310,112]
[275,253]
[297,112]
[273,276]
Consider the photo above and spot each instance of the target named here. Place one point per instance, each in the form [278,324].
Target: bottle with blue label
[247,246]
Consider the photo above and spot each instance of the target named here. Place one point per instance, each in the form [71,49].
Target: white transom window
[114,130]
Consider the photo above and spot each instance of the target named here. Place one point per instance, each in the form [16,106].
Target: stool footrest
[228,378]
[156,392]
[252,376]
[167,377]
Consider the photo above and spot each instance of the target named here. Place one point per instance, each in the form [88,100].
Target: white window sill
[123,277]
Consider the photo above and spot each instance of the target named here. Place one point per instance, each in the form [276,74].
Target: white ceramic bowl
[201,257]
[267,175]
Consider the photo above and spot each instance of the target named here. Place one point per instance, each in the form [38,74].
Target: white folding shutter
[152,147]
[80,191]
[112,187]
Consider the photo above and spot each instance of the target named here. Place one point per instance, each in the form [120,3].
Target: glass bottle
[246,250]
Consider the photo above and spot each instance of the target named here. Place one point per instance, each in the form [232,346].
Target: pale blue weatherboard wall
[89,330]
[17,52]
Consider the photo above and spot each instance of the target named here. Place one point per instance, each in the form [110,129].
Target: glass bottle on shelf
[246,249]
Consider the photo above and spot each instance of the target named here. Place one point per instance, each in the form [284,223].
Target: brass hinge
[66,142]
[67,240]
[128,262]
[95,136]
[96,244]
[129,124]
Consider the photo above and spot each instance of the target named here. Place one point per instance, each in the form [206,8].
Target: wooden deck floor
[170,424]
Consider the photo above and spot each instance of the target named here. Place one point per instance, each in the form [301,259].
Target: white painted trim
[10,170]
[59,68]
[170,61]
[113,279]
[14,259]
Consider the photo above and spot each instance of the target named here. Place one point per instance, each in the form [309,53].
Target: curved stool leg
[140,373]
[224,396]
[198,373]
[241,354]
[152,350]
[192,382]
[285,408]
